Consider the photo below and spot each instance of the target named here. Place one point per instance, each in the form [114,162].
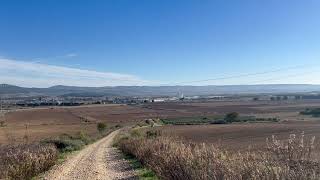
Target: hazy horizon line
[272,84]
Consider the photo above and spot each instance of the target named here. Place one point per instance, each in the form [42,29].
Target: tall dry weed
[174,159]
[27,160]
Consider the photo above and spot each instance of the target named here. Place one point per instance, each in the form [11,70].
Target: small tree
[2,123]
[231,117]
[101,127]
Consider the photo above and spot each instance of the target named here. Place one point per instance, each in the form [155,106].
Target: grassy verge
[138,131]
[143,172]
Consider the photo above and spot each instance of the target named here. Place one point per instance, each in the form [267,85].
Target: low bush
[2,123]
[118,126]
[217,119]
[101,127]
[174,159]
[190,120]
[220,121]
[84,137]
[68,143]
[26,161]
[268,119]
[231,117]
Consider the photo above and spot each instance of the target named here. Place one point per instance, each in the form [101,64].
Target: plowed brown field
[41,123]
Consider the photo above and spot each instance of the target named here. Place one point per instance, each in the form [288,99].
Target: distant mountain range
[158,90]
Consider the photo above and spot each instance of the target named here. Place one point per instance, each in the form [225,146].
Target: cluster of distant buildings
[287,97]
[25,101]
[37,101]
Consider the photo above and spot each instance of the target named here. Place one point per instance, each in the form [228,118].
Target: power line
[283,77]
[239,76]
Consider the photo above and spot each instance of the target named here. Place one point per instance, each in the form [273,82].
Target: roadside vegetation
[228,118]
[67,143]
[172,158]
[138,131]
[27,160]
[142,172]
[2,123]
[101,127]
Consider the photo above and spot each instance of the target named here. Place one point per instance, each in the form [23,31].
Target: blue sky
[157,42]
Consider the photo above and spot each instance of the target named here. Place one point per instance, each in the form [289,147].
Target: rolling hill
[158,90]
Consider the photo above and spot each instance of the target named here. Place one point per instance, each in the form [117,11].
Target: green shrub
[118,126]
[2,123]
[267,119]
[84,137]
[217,119]
[68,143]
[101,127]
[231,117]
[220,121]
[189,120]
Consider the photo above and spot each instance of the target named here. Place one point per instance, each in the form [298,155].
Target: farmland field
[243,136]
[47,122]
[39,123]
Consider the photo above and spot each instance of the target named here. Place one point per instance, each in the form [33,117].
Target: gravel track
[97,161]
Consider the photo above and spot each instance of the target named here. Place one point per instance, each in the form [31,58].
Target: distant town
[8,101]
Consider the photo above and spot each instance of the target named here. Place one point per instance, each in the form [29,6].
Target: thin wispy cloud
[45,59]
[71,55]
[34,74]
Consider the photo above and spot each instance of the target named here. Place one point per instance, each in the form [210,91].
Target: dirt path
[97,161]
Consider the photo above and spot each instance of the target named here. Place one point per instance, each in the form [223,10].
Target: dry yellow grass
[174,159]
[26,161]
